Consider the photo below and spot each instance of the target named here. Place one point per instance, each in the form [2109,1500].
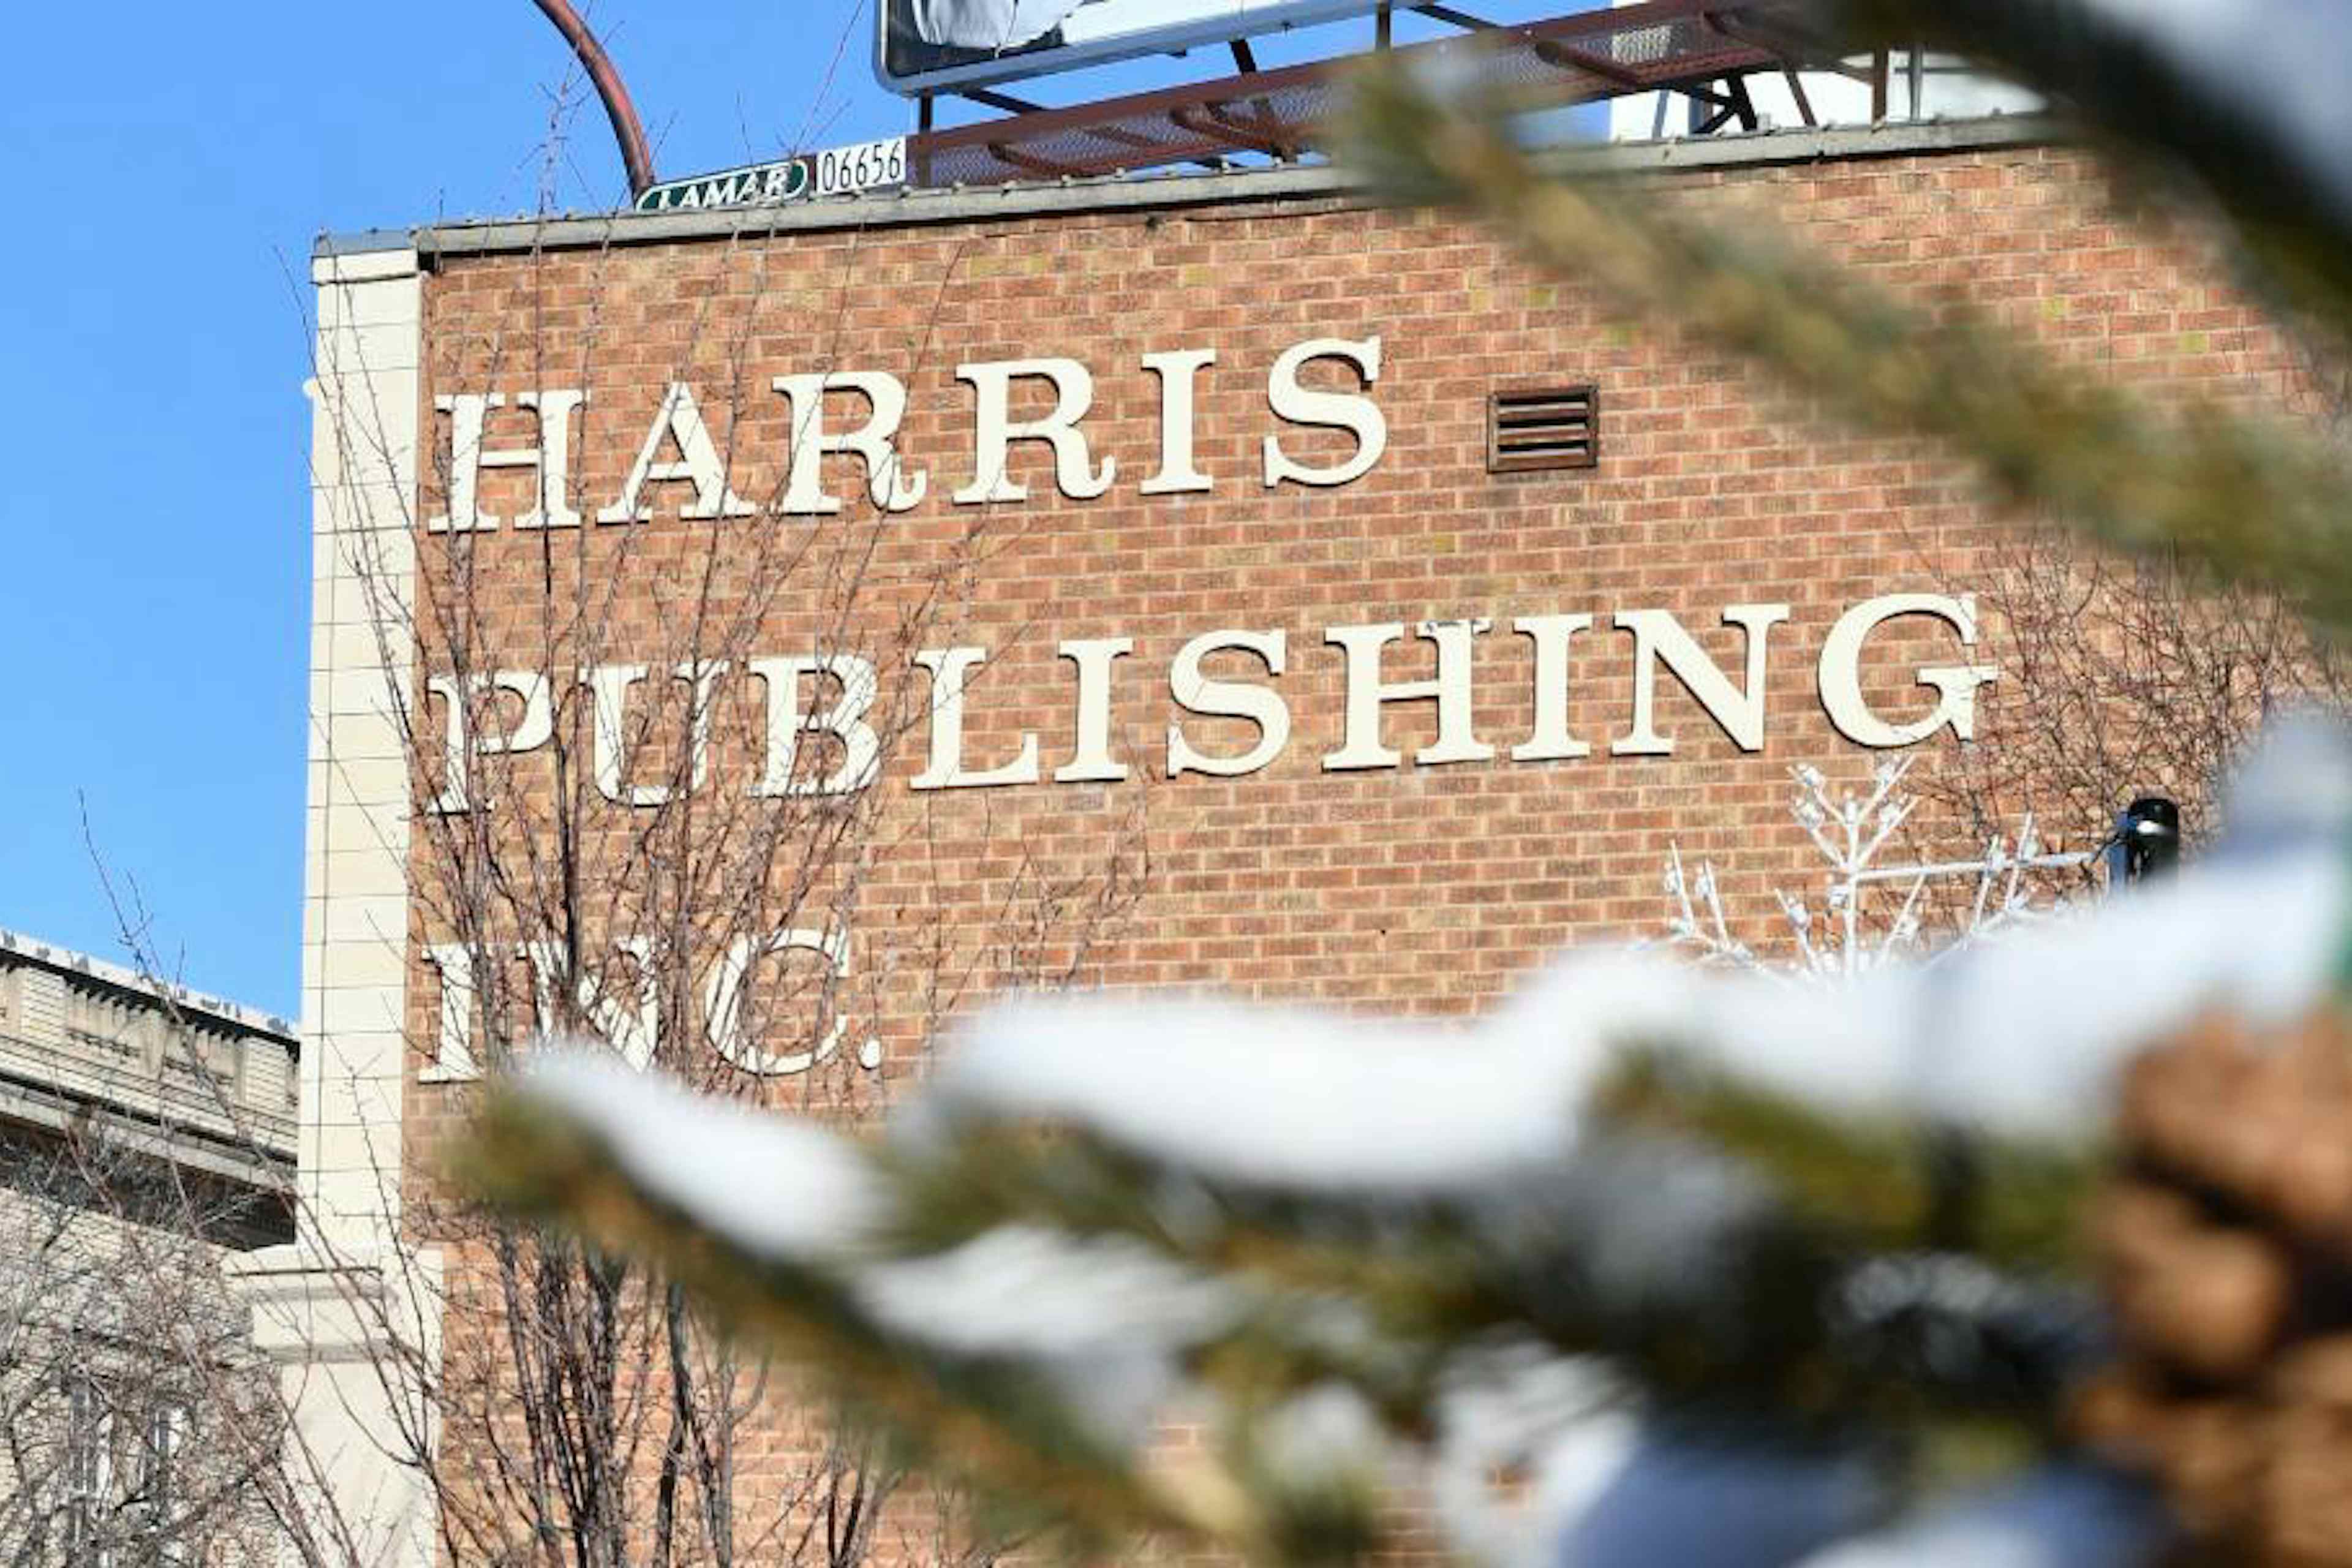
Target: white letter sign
[1228,699]
[1367,691]
[861,748]
[678,420]
[892,487]
[468,413]
[994,432]
[951,668]
[1659,638]
[1956,685]
[1339,410]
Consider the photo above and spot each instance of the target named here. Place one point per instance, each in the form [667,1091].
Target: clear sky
[171,164]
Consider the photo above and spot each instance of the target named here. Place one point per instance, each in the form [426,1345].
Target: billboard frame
[1277,17]
[1255,111]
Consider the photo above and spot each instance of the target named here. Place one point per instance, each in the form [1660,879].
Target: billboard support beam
[932,46]
[1797,94]
[1796,47]
[989,98]
[1462,19]
[1696,48]
[1030,163]
[1741,104]
[1568,57]
[637,158]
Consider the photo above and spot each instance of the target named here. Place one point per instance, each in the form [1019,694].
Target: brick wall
[1415,889]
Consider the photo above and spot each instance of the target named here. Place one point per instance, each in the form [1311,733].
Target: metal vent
[1534,427]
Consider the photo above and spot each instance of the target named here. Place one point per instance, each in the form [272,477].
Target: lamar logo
[785,182]
[836,172]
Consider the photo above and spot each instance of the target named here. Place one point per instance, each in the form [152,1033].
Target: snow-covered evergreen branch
[1737,1207]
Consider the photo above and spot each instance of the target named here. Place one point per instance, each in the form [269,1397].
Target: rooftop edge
[65,960]
[1888,139]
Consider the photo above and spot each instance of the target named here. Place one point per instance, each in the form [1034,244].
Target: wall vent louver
[1534,427]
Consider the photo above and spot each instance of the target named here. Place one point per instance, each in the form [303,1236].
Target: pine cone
[2225,1247]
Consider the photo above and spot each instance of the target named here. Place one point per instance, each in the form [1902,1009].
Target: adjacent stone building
[147,1137]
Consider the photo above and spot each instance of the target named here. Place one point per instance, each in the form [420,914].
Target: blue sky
[170,165]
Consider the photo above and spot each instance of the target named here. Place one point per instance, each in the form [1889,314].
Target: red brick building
[754,635]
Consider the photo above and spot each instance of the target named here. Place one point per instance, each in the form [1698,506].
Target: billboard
[928,45]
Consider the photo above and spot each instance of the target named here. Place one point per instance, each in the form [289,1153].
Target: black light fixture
[2146,841]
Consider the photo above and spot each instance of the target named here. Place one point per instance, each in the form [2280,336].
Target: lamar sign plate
[836,172]
[927,45]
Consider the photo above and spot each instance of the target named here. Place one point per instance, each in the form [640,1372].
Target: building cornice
[915,208]
[166,994]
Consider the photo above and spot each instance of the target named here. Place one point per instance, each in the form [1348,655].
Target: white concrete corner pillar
[340,1309]
[355,1343]
[364,465]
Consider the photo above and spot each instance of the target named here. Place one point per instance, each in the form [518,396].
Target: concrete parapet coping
[909,208]
[66,961]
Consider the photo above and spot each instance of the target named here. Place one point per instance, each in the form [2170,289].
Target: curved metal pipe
[635,156]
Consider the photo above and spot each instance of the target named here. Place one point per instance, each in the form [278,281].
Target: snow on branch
[1596,1239]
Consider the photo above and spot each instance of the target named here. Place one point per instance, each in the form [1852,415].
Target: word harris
[1659,641]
